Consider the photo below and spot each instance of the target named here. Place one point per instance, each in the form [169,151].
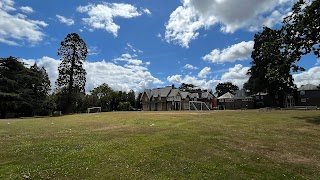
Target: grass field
[163,145]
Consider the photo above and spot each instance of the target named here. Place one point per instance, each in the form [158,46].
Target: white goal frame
[202,105]
[99,109]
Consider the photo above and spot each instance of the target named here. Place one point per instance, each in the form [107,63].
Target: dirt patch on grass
[281,153]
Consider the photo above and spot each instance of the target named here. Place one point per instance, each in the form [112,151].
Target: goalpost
[198,106]
[94,109]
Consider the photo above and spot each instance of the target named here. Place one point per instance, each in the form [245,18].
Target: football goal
[198,106]
[94,110]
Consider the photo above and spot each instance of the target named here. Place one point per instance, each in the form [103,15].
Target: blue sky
[137,44]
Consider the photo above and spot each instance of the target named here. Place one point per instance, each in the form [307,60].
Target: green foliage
[124,106]
[72,75]
[223,88]
[302,31]
[276,52]
[23,91]
[186,86]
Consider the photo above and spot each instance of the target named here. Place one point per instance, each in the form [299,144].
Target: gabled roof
[174,92]
[227,96]
[184,95]
[194,95]
[308,87]
[147,92]
[162,92]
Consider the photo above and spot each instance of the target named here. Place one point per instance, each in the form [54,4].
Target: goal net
[94,110]
[198,106]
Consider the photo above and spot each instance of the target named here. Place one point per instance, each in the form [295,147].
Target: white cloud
[101,16]
[118,77]
[204,72]
[240,51]
[26,9]
[129,59]
[147,11]
[312,76]
[65,20]
[186,21]
[189,66]
[93,50]
[237,75]
[51,65]
[129,46]
[200,83]
[16,29]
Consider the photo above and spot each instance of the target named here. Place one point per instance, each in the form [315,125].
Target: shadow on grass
[310,119]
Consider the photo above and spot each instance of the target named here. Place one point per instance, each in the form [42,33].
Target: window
[303,100]
[221,100]
[229,100]
[302,93]
[257,97]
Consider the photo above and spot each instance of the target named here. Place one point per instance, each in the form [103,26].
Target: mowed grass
[163,145]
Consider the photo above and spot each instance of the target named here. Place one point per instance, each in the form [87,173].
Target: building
[308,95]
[169,98]
[240,100]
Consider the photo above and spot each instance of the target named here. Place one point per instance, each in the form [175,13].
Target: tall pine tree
[72,76]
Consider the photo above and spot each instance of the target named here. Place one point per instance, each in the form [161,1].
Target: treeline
[25,91]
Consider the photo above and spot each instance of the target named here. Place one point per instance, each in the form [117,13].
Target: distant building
[169,98]
[240,100]
[308,95]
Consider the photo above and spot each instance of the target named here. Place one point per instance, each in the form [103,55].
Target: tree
[132,97]
[138,102]
[185,86]
[103,95]
[302,29]
[271,66]
[223,88]
[23,91]
[72,75]
[124,106]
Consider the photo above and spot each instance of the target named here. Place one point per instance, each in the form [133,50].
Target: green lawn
[163,145]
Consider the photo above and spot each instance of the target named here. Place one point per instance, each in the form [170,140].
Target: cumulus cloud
[189,66]
[236,52]
[124,78]
[26,9]
[15,29]
[311,76]
[186,21]
[237,75]
[101,16]
[200,83]
[65,20]
[204,72]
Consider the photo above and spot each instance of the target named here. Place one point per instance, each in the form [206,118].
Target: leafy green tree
[72,75]
[271,66]
[185,86]
[301,29]
[223,88]
[132,98]
[138,104]
[103,95]
[124,106]
[23,91]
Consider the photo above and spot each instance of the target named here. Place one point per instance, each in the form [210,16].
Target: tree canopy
[225,87]
[23,91]
[72,75]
